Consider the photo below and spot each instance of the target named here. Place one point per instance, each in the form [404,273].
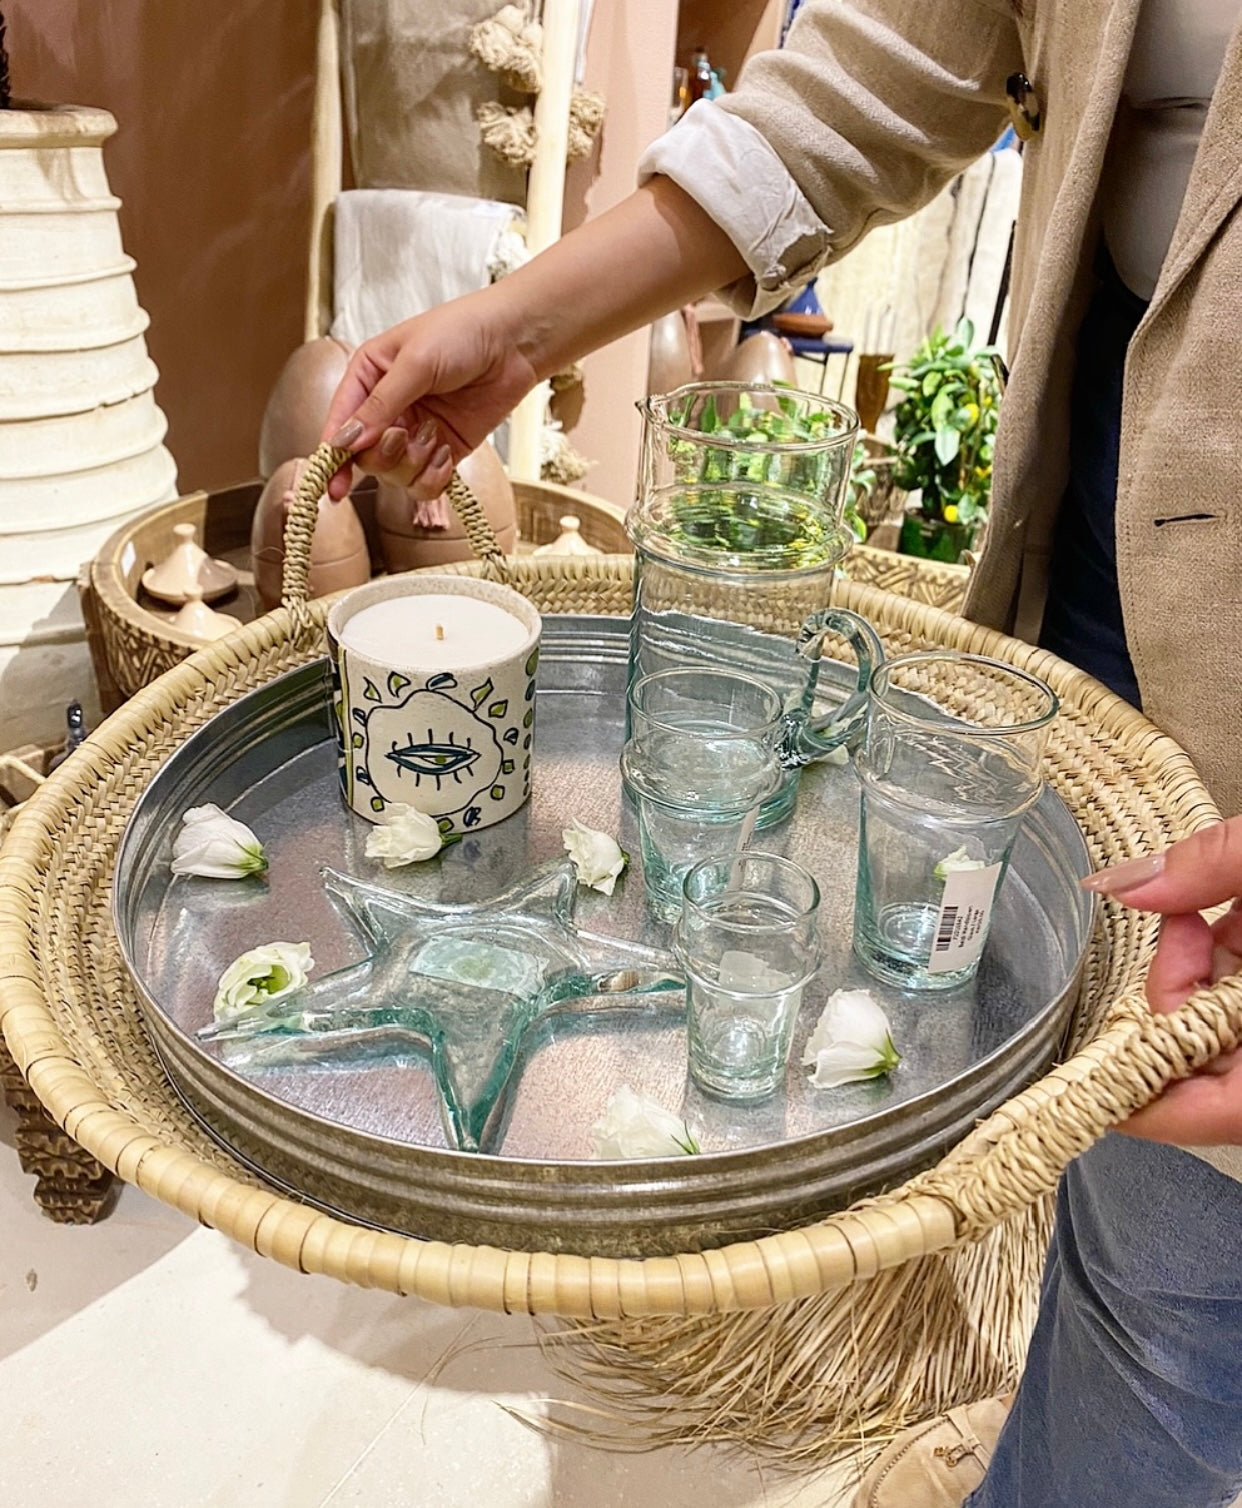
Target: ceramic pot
[668,360]
[298,405]
[407,545]
[188,573]
[569,541]
[339,555]
[761,358]
[81,437]
[202,621]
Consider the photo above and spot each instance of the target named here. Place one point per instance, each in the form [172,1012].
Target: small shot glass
[700,761]
[748,940]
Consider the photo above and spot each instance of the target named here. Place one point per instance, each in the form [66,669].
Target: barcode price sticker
[962,926]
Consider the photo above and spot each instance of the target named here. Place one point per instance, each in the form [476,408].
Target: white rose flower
[217,846]
[955,862]
[405,836]
[634,1125]
[852,1041]
[598,858]
[261,976]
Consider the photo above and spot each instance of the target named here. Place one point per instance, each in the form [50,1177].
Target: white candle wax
[434,631]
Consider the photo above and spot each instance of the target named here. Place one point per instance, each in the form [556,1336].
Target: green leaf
[948,442]
[943,406]
[930,383]
[709,419]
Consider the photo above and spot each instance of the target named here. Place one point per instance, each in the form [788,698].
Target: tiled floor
[149,1363]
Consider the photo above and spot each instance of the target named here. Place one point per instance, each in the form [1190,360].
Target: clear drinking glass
[699,762]
[748,940]
[737,530]
[950,763]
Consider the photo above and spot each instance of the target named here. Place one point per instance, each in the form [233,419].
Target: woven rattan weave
[68,1013]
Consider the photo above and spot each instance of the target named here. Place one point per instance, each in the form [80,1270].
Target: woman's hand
[419,398]
[1201,871]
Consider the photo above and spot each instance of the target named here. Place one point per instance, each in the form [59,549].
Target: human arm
[446,378]
[861,118]
[1198,873]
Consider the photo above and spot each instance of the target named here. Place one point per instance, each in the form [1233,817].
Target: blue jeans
[1132,1394]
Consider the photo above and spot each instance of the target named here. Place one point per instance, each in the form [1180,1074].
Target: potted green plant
[945,432]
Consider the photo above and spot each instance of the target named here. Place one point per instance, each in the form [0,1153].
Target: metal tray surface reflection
[364,1139]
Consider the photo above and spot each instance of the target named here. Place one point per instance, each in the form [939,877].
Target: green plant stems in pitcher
[945,435]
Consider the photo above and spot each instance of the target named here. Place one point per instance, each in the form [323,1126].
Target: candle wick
[439,630]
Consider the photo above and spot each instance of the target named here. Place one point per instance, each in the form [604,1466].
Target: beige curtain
[411,89]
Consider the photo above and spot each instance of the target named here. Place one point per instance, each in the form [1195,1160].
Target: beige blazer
[938,69]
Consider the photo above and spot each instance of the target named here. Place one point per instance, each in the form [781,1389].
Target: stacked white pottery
[81,438]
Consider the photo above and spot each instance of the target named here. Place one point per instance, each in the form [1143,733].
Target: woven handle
[1020,1152]
[304,515]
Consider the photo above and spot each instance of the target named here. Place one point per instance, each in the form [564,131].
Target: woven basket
[804,1338]
[132,643]
[931,582]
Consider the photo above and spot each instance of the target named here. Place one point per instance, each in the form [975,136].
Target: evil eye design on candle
[452,742]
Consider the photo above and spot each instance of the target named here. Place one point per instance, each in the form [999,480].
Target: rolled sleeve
[728,168]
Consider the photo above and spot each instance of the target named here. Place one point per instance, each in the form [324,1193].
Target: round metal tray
[364,1138]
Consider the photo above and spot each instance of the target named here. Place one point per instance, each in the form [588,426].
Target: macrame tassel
[558,460]
[511,44]
[586,116]
[510,133]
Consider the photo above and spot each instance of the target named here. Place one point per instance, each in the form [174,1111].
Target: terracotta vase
[299,401]
[339,555]
[668,362]
[408,546]
[81,436]
[761,358]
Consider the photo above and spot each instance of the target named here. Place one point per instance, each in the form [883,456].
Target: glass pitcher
[737,532]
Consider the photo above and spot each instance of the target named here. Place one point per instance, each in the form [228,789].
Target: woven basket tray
[68,1011]
[794,1344]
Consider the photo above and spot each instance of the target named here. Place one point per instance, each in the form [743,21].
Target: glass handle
[814,737]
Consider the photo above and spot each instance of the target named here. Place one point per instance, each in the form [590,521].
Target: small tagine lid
[188,569]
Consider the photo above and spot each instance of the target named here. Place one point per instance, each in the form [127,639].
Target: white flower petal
[406,836]
[634,1125]
[843,1063]
[852,1040]
[597,856]
[216,846]
[260,976]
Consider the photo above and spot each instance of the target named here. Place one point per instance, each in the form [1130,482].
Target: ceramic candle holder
[435,698]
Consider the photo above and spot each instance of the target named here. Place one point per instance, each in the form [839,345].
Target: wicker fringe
[806,1383]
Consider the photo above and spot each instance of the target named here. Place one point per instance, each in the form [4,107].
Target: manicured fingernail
[393,444]
[426,432]
[442,456]
[1127,876]
[348,433]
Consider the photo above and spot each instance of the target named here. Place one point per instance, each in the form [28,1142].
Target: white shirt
[1175,63]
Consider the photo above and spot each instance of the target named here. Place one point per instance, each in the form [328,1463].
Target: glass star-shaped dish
[461,986]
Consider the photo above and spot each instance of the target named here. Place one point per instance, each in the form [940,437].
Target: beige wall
[629,60]
[211,161]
